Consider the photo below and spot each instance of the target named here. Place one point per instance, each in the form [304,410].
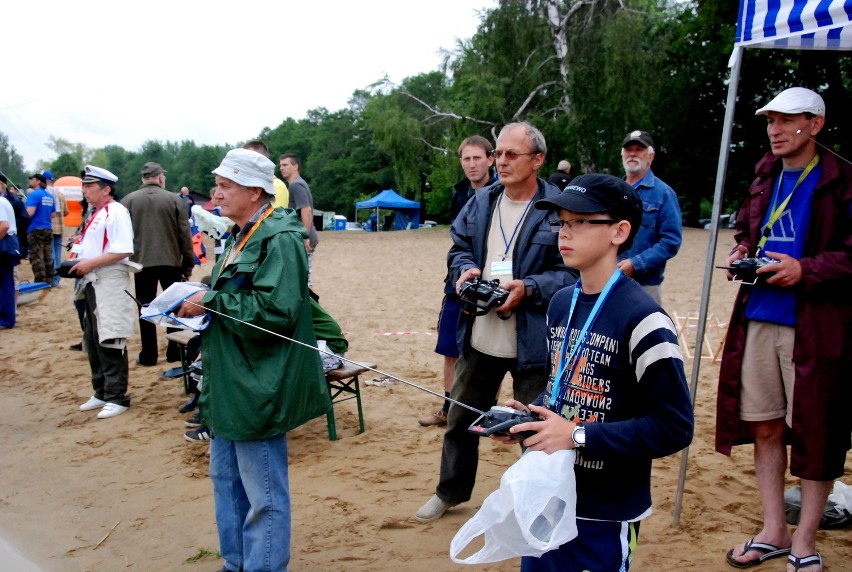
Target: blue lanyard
[560,381]
[517,226]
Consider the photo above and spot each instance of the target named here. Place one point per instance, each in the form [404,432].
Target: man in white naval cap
[110,317]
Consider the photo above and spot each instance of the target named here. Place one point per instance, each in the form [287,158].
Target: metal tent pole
[711,255]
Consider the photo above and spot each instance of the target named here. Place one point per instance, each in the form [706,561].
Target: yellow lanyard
[776,212]
[232,252]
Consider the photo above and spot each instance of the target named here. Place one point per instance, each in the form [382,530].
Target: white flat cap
[795,100]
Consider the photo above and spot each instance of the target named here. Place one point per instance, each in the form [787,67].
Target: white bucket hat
[795,100]
[247,168]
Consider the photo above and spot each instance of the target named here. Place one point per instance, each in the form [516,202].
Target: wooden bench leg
[332,428]
[350,386]
[358,400]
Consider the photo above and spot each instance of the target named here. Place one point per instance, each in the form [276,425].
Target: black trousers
[478,378]
[146,281]
[109,365]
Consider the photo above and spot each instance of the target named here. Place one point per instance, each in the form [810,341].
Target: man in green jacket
[257,386]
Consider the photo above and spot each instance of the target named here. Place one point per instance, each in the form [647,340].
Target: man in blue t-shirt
[40,206]
[784,377]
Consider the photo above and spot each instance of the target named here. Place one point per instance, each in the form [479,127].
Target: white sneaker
[92,403]
[433,509]
[111,410]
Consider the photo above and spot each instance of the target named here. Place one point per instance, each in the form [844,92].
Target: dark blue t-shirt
[45,205]
[772,303]
[631,395]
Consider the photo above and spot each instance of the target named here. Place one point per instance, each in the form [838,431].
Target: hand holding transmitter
[499,420]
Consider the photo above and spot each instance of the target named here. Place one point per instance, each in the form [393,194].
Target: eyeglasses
[510,155]
[578,223]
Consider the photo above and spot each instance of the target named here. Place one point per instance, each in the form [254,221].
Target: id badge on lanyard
[501,269]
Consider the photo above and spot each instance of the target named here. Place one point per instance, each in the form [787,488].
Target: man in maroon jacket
[785,370]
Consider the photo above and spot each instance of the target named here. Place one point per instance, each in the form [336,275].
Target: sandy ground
[78,493]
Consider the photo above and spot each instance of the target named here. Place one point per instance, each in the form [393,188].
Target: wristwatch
[578,435]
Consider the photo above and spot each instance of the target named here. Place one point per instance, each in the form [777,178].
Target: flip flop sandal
[767,552]
[805,561]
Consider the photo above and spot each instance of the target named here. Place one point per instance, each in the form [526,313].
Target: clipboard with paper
[162,310]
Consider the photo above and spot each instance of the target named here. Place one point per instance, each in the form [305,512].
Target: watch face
[579,436]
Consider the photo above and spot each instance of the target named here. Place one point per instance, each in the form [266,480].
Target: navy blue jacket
[535,260]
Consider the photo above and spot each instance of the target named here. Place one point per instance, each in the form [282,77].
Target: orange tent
[72,189]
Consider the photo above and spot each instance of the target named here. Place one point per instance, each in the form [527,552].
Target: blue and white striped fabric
[795,24]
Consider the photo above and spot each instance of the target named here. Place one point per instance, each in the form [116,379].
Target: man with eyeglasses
[499,236]
[659,235]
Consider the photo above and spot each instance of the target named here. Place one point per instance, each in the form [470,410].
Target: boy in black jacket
[617,390]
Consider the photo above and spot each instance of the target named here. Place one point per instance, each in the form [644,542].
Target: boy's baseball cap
[795,100]
[248,168]
[92,174]
[597,193]
[47,175]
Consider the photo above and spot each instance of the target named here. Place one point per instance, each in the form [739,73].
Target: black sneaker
[200,435]
[194,421]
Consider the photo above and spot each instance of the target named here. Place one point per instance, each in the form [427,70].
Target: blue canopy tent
[779,24]
[407,212]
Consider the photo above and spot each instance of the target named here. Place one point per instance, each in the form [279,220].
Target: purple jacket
[822,353]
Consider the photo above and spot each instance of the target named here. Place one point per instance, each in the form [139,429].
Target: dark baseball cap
[641,137]
[152,169]
[39,176]
[597,193]
[3,179]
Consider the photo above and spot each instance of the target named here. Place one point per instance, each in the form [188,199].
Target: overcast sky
[123,72]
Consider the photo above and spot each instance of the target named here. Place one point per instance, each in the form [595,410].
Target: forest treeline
[584,71]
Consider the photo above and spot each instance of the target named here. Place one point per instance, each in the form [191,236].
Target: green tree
[11,162]
[66,164]
[60,146]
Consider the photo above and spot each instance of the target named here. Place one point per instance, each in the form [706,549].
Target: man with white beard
[659,236]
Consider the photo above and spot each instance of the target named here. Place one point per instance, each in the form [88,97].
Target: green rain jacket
[257,385]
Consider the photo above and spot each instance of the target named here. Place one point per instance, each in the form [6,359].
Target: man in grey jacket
[162,244]
[499,236]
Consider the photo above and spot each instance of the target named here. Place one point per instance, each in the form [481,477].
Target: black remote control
[499,419]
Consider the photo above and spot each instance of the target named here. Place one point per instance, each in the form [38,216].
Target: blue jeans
[251,493]
[57,256]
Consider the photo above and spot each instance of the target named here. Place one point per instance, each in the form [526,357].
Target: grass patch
[203,554]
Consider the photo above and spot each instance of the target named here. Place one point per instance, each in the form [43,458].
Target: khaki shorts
[767,376]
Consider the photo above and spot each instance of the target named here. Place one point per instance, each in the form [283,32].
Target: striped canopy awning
[795,24]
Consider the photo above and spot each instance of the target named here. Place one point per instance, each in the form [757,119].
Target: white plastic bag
[160,310]
[534,511]
[842,496]
[330,360]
